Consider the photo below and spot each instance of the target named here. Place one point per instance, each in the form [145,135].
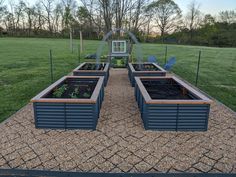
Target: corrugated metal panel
[161,117]
[49,115]
[66,116]
[193,117]
[80,116]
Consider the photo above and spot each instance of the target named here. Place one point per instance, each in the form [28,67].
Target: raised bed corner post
[198,67]
[51,65]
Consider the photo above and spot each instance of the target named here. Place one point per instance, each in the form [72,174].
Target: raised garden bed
[72,102]
[93,69]
[144,69]
[168,103]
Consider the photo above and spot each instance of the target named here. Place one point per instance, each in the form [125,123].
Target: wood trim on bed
[148,100]
[82,64]
[92,99]
[161,70]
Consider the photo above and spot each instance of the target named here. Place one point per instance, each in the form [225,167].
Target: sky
[206,6]
[209,6]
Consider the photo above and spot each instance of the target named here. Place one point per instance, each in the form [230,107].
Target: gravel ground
[120,143]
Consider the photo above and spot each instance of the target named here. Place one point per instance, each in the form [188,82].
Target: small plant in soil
[86,95]
[145,67]
[93,66]
[74,90]
[75,94]
[58,92]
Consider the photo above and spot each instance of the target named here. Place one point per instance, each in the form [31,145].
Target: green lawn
[24,68]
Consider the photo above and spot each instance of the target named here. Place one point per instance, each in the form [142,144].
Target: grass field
[24,68]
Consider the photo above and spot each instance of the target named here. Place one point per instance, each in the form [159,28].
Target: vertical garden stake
[81,41]
[165,55]
[198,67]
[51,67]
[78,53]
[71,40]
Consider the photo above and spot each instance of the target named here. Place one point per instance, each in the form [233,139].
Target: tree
[39,17]
[48,6]
[69,9]
[90,16]
[228,16]
[193,18]
[208,20]
[19,10]
[58,14]
[107,12]
[3,10]
[121,8]
[30,11]
[166,14]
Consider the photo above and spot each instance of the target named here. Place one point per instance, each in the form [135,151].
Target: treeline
[151,21]
[209,33]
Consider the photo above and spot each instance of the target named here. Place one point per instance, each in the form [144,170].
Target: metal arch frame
[134,39]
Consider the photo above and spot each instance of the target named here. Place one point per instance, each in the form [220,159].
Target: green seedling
[86,95]
[59,91]
[75,94]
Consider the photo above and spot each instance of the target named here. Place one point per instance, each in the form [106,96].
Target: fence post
[51,64]
[81,42]
[71,40]
[198,67]
[165,55]
[78,53]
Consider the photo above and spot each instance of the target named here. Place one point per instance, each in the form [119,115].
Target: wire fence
[28,66]
[212,69]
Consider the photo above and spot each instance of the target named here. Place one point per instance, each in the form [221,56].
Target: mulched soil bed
[166,89]
[145,67]
[74,88]
[93,66]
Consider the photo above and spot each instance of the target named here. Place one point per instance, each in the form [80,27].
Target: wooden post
[81,41]
[51,67]
[198,67]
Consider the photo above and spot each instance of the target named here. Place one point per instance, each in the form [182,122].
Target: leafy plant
[86,95]
[89,89]
[59,91]
[75,94]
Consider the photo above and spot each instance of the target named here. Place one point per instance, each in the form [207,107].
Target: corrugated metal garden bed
[93,69]
[167,103]
[71,102]
[144,69]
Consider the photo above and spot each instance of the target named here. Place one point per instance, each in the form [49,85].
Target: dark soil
[74,88]
[145,67]
[167,89]
[93,66]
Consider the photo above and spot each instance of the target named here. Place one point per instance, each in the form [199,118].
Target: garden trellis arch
[138,51]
